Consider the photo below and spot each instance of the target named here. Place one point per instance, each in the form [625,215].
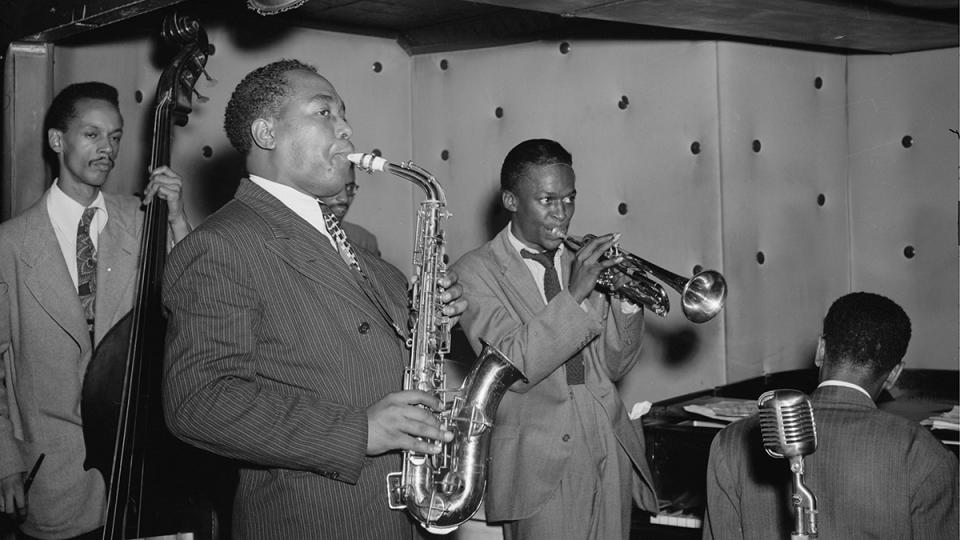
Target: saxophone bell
[442,491]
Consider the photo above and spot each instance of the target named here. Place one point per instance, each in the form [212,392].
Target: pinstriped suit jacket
[527,446]
[273,354]
[361,237]
[875,475]
[44,352]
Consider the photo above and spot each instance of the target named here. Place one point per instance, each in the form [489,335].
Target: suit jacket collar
[841,395]
[117,262]
[515,271]
[309,252]
[47,278]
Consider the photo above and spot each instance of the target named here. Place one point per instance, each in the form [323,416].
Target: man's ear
[509,200]
[893,376]
[55,139]
[261,131]
[821,351]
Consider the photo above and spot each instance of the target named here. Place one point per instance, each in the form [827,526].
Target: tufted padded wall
[630,115]
[663,136]
[372,75]
[783,140]
[903,143]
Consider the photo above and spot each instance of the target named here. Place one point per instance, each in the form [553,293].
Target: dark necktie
[87,268]
[551,287]
[340,238]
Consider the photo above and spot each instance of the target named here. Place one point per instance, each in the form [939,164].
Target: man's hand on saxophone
[454,303]
[405,421]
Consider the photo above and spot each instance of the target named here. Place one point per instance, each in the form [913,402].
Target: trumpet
[702,295]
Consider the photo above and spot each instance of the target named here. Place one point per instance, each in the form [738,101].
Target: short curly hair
[866,330]
[63,108]
[529,153]
[259,95]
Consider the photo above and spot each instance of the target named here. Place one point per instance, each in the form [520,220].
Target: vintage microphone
[788,429]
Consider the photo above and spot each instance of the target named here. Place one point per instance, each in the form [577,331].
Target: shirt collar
[845,384]
[66,212]
[520,246]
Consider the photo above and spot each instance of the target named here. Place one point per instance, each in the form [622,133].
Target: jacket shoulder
[483,256]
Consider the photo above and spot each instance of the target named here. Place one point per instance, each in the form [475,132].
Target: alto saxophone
[442,491]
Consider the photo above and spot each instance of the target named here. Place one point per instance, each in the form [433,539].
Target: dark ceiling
[852,26]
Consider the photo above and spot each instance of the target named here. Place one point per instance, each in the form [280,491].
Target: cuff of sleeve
[627,307]
[353,452]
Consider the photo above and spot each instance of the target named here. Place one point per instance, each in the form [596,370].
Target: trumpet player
[566,461]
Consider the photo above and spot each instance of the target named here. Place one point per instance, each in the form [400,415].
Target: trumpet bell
[703,296]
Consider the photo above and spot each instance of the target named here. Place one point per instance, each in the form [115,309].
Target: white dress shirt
[65,214]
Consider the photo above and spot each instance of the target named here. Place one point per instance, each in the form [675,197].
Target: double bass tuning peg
[200,97]
[211,80]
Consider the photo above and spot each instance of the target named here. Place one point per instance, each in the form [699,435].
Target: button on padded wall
[783,143]
[629,113]
[905,197]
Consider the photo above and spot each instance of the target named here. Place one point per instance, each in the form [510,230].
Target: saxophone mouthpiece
[368,162]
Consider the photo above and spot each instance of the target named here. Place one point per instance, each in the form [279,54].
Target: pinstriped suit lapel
[304,248]
[47,277]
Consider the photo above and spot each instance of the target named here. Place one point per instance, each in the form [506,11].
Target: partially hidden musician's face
[88,149]
[311,137]
[340,203]
[543,201]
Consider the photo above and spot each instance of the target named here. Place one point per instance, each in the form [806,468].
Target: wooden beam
[51,20]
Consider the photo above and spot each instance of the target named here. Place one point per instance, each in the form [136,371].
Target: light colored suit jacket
[507,310]
[875,475]
[45,349]
[273,355]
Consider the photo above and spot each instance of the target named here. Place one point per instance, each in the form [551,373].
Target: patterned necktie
[551,287]
[340,238]
[87,267]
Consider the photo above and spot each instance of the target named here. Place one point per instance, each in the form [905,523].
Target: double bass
[151,489]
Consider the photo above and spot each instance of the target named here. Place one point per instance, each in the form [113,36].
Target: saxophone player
[565,459]
[285,346]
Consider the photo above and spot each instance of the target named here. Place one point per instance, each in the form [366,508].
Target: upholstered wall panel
[641,123]
[125,64]
[783,140]
[663,136]
[371,74]
[903,192]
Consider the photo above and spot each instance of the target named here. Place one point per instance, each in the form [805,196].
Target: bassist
[65,280]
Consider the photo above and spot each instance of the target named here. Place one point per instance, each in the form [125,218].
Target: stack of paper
[725,410]
[948,420]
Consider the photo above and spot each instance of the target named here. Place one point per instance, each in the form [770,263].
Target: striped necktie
[551,287]
[340,239]
[87,268]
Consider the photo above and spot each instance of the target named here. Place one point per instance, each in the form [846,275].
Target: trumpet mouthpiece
[558,232]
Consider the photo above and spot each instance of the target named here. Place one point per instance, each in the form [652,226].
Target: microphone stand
[804,504]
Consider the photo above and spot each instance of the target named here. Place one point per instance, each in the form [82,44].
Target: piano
[678,441]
